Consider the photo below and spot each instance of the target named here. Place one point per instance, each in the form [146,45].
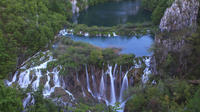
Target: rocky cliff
[174,49]
[182,13]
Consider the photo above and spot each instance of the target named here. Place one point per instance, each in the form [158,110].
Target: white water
[88,83]
[75,9]
[112,88]
[35,84]
[102,88]
[147,71]
[113,99]
[47,88]
[124,86]
[14,79]
[32,77]
[27,100]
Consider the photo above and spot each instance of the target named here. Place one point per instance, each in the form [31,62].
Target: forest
[30,26]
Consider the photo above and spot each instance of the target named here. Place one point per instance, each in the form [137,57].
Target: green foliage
[129,29]
[95,57]
[159,12]
[126,59]
[42,105]
[193,57]
[10,99]
[73,56]
[193,105]
[84,107]
[7,57]
[136,103]
[27,26]
[167,96]
[157,7]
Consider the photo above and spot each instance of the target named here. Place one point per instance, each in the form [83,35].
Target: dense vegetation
[177,88]
[129,29]
[170,95]
[73,56]
[11,99]
[27,26]
[157,7]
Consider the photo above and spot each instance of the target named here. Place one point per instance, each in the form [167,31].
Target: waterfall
[147,71]
[114,71]
[24,79]
[32,76]
[47,89]
[56,78]
[77,79]
[112,88]
[98,88]
[124,86]
[88,83]
[13,79]
[27,100]
[102,87]
[75,9]
[94,86]
[83,92]
[35,84]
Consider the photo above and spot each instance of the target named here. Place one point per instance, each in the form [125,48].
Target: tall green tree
[10,99]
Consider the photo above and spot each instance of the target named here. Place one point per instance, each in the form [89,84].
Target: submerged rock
[182,14]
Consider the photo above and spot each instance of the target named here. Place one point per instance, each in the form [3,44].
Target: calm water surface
[132,45]
[113,13]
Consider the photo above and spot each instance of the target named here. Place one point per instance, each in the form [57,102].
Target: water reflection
[113,13]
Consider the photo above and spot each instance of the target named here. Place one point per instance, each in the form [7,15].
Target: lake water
[128,45]
[114,13]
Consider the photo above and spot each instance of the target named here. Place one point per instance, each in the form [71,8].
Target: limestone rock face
[182,14]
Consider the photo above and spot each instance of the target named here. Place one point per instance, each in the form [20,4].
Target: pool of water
[128,45]
[114,13]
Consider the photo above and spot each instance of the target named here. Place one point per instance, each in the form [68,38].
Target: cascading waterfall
[35,84]
[114,71]
[112,88]
[88,83]
[32,77]
[24,79]
[27,100]
[47,87]
[110,91]
[83,92]
[102,88]
[113,81]
[13,80]
[124,86]
[94,86]
[77,78]
[147,71]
